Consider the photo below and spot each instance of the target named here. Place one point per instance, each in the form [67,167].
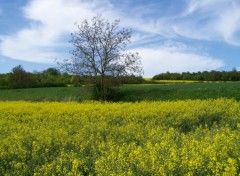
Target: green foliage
[52,77]
[19,78]
[132,79]
[110,93]
[4,81]
[51,71]
[233,75]
[76,80]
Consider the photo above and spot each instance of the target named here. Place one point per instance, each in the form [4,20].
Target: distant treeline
[51,77]
[233,75]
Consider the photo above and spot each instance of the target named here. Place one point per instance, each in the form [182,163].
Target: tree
[19,78]
[99,53]
[51,71]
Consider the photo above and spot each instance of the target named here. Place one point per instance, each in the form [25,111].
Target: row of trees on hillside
[20,78]
[233,75]
[51,77]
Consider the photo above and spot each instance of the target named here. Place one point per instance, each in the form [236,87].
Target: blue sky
[169,35]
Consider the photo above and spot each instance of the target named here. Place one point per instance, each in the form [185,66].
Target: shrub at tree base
[198,137]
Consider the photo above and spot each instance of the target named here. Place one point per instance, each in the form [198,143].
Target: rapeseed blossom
[192,137]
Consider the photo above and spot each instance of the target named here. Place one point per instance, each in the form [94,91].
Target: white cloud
[210,20]
[204,6]
[50,20]
[162,59]
[229,25]
[60,15]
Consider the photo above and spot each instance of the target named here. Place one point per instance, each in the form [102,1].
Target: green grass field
[181,91]
[130,93]
[48,94]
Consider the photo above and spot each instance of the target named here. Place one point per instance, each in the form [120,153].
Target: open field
[130,93]
[193,137]
[150,80]
[48,94]
[181,91]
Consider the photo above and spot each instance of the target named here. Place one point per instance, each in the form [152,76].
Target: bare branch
[98,47]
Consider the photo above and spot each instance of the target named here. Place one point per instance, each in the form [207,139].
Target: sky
[169,35]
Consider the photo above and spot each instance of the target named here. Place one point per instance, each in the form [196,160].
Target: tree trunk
[103,90]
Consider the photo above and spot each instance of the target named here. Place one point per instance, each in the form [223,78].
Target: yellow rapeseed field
[193,137]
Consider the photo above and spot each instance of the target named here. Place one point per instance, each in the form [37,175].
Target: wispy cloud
[176,59]
[217,20]
[42,41]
